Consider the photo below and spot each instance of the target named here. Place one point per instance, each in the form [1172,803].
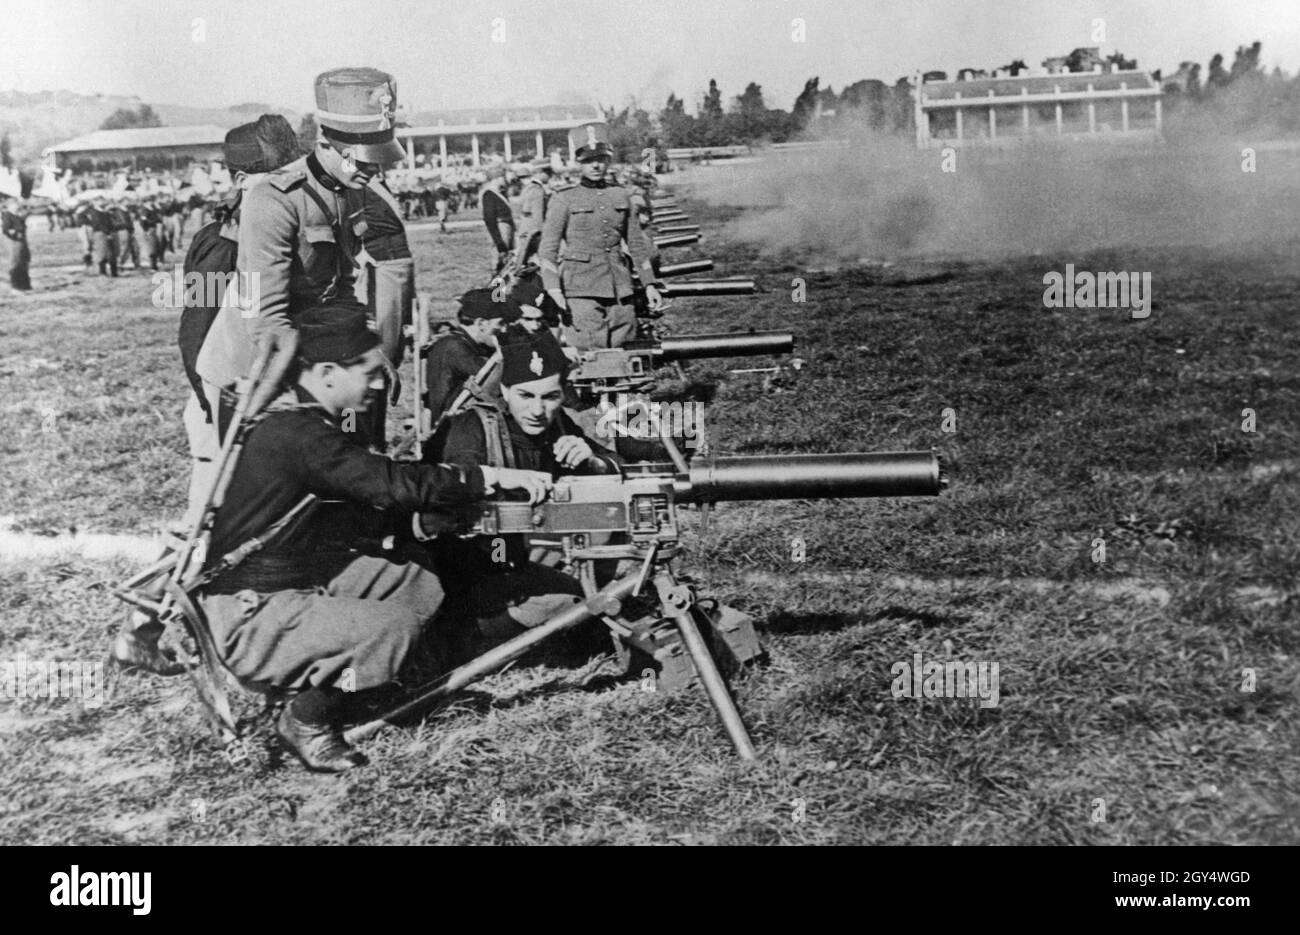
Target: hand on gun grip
[536,483]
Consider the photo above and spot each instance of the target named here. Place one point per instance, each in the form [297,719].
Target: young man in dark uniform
[323,610]
[461,353]
[529,430]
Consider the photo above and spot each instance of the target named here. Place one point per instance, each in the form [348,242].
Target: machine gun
[630,368]
[683,636]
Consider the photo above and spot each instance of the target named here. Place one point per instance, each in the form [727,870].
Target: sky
[487,53]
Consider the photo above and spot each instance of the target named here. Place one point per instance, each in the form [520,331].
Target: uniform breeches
[599,323]
[352,633]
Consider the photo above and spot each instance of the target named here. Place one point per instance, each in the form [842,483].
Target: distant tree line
[125,119]
[1239,98]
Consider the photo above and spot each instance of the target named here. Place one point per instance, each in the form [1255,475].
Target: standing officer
[14,225]
[497,215]
[532,210]
[296,245]
[594,220]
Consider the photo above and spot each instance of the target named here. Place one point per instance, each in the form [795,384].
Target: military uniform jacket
[592,223]
[532,211]
[213,250]
[291,255]
[301,449]
[453,359]
[496,212]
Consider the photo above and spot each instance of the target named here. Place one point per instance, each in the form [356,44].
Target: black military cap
[334,332]
[261,146]
[529,290]
[534,357]
[478,304]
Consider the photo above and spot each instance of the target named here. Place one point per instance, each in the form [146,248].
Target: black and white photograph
[749,422]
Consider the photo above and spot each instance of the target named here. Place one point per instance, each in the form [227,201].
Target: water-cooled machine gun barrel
[642,503]
[676,240]
[709,287]
[685,268]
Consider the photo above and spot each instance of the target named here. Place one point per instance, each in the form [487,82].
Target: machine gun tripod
[674,637]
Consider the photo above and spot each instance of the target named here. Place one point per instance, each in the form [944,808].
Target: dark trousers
[20,259]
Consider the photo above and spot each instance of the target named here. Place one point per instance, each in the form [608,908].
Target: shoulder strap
[500,452]
[341,234]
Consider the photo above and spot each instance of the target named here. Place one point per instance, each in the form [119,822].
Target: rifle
[474,388]
[644,505]
[164,591]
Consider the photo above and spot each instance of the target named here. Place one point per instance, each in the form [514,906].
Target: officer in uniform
[461,353]
[325,609]
[581,253]
[296,246]
[532,210]
[13,223]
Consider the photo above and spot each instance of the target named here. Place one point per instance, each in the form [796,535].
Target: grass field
[1122,716]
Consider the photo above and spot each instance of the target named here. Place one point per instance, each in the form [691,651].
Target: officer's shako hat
[334,332]
[356,107]
[525,358]
[264,145]
[590,140]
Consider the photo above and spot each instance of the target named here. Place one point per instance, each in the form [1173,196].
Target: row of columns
[995,101]
[474,150]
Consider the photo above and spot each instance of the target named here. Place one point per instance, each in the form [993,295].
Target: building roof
[1038,84]
[143,138]
[500,120]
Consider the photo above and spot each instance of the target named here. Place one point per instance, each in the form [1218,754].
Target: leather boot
[321,747]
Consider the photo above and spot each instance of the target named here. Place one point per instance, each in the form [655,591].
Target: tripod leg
[677,602]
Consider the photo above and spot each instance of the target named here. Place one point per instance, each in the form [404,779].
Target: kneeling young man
[323,609]
[529,431]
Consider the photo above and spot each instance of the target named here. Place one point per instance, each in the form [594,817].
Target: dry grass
[1119,681]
